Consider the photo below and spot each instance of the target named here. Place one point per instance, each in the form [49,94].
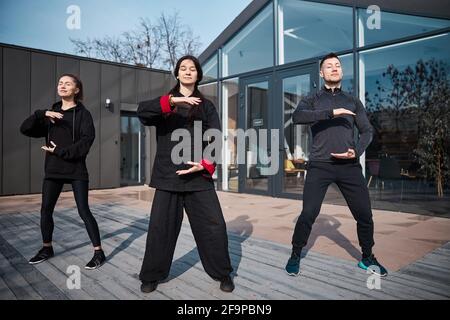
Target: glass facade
[384,26]
[309,29]
[404,86]
[252,47]
[407,93]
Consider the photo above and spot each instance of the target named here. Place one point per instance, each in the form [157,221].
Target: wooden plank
[142,245]
[29,248]
[129,285]
[191,240]
[352,267]
[5,291]
[37,280]
[283,266]
[16,282]
[22,240]
[260,274]
[139,253]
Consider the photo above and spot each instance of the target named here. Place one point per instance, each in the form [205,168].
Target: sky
[42,24]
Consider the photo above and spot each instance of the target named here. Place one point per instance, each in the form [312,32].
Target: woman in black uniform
[69,132]
[183,186]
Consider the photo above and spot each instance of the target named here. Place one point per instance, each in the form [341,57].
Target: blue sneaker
[293,265]
[370,263]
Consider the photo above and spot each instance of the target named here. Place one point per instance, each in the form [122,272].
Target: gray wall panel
[90,76]
[16,108]
[143,85]
[110,127]
[29,83]
[43,95]
[159,82]
[128,85]
[67,65]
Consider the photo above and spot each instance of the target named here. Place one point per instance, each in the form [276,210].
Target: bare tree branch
[151,45]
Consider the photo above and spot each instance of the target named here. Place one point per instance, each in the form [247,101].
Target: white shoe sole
[372,271]
[36,262]
[293,274]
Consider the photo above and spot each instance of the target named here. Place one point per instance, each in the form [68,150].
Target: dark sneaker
[43,254]
[148,287]
[371,264]
[97,260]
[293,265]
[226,284]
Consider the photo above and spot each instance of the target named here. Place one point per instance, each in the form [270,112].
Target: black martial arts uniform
[193,192]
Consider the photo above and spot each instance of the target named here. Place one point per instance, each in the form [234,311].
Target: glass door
[254,117]
[295,140]
[132,150]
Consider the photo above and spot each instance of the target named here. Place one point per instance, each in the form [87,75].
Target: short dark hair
[78,84]
[328,56]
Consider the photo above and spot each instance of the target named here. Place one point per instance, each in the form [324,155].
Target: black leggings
[51,190]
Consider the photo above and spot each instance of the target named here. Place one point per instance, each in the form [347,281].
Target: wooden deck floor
[258,264]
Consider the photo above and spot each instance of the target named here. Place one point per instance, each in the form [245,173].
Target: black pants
[51,190]
[348,177]
[208,227]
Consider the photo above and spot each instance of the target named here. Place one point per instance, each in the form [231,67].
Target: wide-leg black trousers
[208,227]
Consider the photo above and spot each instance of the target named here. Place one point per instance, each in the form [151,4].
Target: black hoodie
[333,134]
[73,136]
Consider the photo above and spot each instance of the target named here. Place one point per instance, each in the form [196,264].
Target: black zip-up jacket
[73,136]
[166,119]
[333,134]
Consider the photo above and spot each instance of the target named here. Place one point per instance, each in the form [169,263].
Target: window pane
[310,29]
[210,92]
[407,94]
[210,69]
[393,26]
[252,47]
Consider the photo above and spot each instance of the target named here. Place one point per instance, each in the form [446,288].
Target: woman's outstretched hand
[193,101]
[195,167]
[49,149]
